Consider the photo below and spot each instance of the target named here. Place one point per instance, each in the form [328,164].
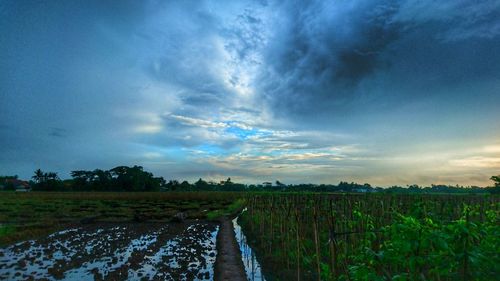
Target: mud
[229,265]
[135,251]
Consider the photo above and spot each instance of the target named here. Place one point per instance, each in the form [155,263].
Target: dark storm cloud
[320,90]
[324,48]
[328,58]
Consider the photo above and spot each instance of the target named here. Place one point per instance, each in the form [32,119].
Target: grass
[33,214]
[230,210]
[6,230]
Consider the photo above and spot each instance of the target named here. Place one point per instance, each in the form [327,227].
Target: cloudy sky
[379,91]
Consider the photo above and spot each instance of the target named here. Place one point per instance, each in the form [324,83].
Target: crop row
[375,237]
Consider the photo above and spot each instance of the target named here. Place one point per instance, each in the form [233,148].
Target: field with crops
[279,236]
[374,237]
[27,215]
[112,236]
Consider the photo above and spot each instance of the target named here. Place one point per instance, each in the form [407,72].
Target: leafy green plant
[374,236]
[421,249]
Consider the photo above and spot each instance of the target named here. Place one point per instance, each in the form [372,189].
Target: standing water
[115,252]
[252,266]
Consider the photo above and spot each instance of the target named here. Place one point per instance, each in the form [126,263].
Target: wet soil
[131,251]
[229,265]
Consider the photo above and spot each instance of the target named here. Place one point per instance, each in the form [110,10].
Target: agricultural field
[111,236]
[26,215]
[375,237]
[248,236]
[235,140]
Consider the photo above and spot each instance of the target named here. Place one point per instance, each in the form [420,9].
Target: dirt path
[229,265]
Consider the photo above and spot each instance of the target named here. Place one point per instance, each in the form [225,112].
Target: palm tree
[39,176]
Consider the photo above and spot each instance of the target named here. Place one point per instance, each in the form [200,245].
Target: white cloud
[477,162]
[190,121]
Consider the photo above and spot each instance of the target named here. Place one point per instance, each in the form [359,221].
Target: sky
[377,91]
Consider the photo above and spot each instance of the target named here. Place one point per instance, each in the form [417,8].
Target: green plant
[6,230]
[230,210]
[375,236]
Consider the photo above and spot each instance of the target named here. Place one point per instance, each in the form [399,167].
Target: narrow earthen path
[228,265]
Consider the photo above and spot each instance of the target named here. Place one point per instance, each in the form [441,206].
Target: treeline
[202,185]
[352,187]
[121,178]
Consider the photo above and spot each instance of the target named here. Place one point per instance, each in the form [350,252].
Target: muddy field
[148,251]
[33,215]
[126,236]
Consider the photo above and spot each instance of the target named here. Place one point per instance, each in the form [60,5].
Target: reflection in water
[122,252]
[252,266]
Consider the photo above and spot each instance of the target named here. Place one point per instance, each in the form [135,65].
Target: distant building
[19,185]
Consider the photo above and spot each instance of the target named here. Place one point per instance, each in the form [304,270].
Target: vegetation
[6,182]
[46,181]
[278,186]
[123,178]
[496,180]
[34,214]
[394,234]
[495,189]
[6,230]
[347,231]
[202,185]
[231,210]
[375,236]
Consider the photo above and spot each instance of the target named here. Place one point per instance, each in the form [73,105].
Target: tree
[81,179]
[496,180]
[185,186]
[39,176]
[201,185]
[121,178]
[9,186]
[101,180]
[172,185]
[47,181]
[51,176]
[414,188]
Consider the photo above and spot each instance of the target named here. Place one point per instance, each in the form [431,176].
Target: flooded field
[174,251]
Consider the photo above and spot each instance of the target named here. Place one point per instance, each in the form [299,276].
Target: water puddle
[252,266]
[115,252]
